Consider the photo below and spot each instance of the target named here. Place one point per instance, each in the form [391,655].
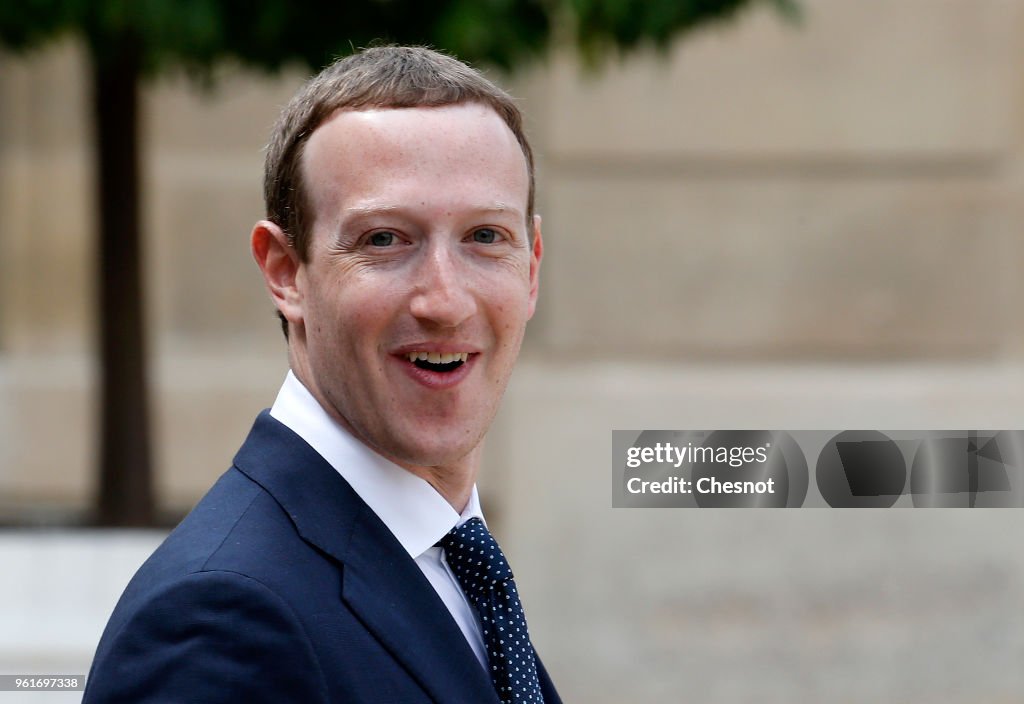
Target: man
[343,558]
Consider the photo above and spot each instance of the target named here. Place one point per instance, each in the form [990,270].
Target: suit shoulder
[191,544]
[236,527]
[207,636]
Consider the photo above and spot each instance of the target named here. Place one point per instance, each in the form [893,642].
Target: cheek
[349,300]
[509,320]
[505,285]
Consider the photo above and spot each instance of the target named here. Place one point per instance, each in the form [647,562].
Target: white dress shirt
[412,510]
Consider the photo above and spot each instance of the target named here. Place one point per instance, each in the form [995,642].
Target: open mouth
[438,362]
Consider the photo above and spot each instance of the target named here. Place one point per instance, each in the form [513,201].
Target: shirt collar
[408,505]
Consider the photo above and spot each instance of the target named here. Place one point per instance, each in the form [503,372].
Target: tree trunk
[126,486]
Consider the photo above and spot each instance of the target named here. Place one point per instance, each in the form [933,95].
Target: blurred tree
[131,40]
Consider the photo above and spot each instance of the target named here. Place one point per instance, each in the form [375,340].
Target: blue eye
[485,235]
[382,239]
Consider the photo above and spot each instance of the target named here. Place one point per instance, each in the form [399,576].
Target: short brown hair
[378,77]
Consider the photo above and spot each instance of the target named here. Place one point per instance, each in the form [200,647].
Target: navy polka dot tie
[486,579]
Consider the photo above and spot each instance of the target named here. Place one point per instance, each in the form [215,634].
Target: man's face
[420,276]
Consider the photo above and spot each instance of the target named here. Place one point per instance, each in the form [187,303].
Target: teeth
[437,357]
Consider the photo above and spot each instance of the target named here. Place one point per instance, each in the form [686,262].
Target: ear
[279,263]
[536,253]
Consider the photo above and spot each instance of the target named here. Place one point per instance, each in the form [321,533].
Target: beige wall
[774,227]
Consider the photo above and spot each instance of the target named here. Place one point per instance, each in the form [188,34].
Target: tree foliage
[197,34]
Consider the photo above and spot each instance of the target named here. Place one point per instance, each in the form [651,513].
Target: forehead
[425,156]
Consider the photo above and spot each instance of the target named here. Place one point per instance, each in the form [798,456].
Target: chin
[437,456]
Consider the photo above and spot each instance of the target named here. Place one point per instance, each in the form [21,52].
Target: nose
[442,294]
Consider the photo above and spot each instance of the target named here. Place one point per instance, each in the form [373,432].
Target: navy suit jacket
[283,586]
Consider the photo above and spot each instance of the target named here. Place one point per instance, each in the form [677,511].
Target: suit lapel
[400,607]
[380,582]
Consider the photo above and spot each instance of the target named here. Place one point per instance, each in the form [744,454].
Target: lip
[436,347]
[431,379]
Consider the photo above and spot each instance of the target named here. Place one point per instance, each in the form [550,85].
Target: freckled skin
[442,192]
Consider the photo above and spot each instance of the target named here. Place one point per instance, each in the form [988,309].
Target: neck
[453,482]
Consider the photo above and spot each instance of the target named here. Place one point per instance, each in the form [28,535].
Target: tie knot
[475,558]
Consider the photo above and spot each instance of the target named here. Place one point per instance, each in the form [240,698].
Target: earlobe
[536,254]
[279,263]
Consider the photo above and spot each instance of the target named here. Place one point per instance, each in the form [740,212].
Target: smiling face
[409,311]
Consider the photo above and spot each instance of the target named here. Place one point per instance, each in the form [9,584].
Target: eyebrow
[494,208]
[372,210]
[499,207]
